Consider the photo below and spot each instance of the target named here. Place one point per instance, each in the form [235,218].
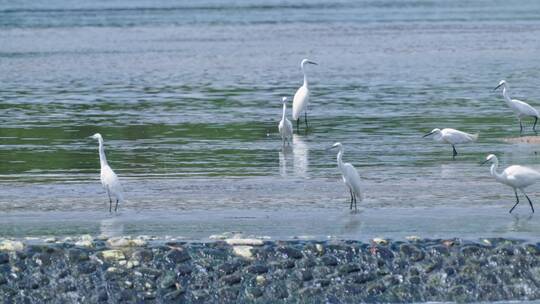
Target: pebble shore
[241,270]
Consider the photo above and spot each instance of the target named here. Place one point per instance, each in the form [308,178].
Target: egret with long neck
[350,176]
[452,137]
[109,179]
[520,108]
[517,177]
[301,97]
[285,126]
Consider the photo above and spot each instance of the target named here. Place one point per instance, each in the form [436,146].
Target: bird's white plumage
[523,109]
[285,126]
[300,101]
[352,179]
[109,179]
[520,108]
[301,97]
[517,177]
[349,174]
[453,136]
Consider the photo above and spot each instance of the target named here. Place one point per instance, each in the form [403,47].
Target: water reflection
[111,227]
[301,155]
[352,224]
[520,222]
[285,157]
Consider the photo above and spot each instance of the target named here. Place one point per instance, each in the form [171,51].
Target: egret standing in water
[109,180]
[350,176]
[520,108]
[452,137]
[285,126]
[301,97]
[517,177]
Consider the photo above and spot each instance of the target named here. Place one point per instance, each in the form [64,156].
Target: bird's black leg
[530,203]
[110,201]
[297,124]
[355,207]
[352,198]
[535,121]
[517,201]
[520,127]
[306,120]
[454,152]
[116,207]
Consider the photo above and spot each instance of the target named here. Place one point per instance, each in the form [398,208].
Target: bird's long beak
[498,86]
[428,134]
[484,162]
[312,62]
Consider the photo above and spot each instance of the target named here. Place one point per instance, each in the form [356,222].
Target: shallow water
[187,97]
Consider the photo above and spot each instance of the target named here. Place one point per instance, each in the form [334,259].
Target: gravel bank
[88,270]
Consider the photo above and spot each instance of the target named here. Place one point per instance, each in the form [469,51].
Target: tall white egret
[285,125]
[350,176]
[301,97]
[452,137]
[517,177]
[109,180]
[520,108]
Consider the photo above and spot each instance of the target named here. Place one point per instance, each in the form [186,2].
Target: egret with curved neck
[285,126]
[520,108]
[109,179]
[452,137]
[301,97]
[350,176]
[517,177]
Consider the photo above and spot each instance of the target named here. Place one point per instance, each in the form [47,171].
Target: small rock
[412,252]
[184,269]
[8,245]
[177,256]
[319,248]
[304,275]
[4,258]
[143,255]
[167,281]
[291,252]
[227,268]
[126,242]
[84,243]
[51,240]
[349,268]
[244,242]
[257,269]
[174,294]
[113,255]
[329,260]
[231,279]
[254,292]
[413,238]
[380,241]
[243,251]
[261,280]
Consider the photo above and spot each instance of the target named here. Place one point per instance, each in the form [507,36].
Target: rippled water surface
[187,97]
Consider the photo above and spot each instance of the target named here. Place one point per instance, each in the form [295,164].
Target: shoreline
[232,269]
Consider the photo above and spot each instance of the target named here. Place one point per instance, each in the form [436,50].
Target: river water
[187,97]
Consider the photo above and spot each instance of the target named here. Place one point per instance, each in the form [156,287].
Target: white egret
[109,180]
[520,108]
[452,137]
[350,176]
[285,125]
[301,97]
[517,177]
